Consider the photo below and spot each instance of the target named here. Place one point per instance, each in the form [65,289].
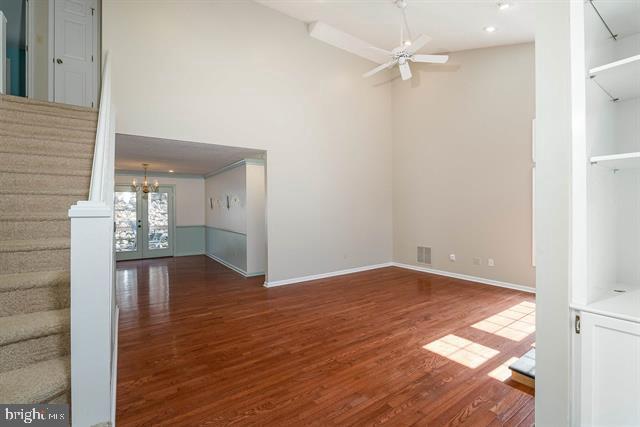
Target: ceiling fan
[406,52]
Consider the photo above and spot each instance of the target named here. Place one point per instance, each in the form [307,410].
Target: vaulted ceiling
[453,24]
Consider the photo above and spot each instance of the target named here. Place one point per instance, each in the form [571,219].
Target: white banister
[93,308]
[3,53]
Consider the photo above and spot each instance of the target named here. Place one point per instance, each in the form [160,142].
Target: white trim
[325,275]
[50,54]
[235,165]
[480,280]
[30,37]
[233,267]
[114,367]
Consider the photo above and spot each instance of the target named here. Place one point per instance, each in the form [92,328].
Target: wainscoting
[227,247]
[190,240]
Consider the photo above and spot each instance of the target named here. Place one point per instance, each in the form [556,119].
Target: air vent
[424,255]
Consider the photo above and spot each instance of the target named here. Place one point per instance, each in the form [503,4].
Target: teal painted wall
[229,246]
[190,240]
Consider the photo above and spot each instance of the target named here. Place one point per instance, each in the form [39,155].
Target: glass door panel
[127,224]
[158,223]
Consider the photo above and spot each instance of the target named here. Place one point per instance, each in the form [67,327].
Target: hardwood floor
[201,345]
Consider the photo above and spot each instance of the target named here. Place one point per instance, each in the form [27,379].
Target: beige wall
[462,163]
[240,74]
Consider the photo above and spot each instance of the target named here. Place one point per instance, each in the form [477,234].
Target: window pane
[158,221]
[126,236]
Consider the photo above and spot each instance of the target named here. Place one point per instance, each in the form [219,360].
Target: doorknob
[59,61]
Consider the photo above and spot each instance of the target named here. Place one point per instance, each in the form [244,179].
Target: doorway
[144,223]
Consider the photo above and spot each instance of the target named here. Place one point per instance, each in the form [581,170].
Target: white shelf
[618,161]
[621,79]
[625,306]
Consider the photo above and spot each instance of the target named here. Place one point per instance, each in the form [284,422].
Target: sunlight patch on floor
[515,323]
[502,372]
[461,350]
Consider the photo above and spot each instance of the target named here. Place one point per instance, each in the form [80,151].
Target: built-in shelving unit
[620,79]
[618,161]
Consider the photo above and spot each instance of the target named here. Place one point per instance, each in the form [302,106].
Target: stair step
[43,132]
[37,383]
[13,246]
[28,229]
[31,300]
[17,204]
[24,353]
[40,279]
[29,116]
[22,103]
[37,164]
[25,183]
[32,258]
[33,325]
[45,147]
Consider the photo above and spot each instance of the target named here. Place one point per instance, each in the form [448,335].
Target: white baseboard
[114,367]
[302,279]
[466,277]
[233,267]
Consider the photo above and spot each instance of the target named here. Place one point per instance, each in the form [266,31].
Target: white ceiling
[453,24]
[181,157]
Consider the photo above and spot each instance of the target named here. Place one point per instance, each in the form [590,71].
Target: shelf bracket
[611,97]
[613,36]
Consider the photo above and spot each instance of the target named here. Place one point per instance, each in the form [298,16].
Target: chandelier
[145,186]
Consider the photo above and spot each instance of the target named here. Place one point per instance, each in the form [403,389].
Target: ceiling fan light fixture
[490,29]
[503,5]
[407,42]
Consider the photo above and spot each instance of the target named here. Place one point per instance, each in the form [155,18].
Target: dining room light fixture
[145,187]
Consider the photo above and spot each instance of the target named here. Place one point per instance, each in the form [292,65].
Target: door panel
[73,52]
[158,223]
[128,226]
[610,380]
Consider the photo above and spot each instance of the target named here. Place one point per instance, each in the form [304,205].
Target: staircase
[46,153]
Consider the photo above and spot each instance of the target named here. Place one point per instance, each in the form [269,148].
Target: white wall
[189,196]
[553,211]
[240,74]
[232,183]
[462,179]
[256,226]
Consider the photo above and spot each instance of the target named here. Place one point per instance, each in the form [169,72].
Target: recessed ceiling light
[490,29]
[503,5]
[170,170]
[407,42]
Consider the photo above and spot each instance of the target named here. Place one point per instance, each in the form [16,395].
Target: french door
[143,223]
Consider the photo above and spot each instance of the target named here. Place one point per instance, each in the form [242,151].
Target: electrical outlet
[477,261]
[491,262]
[452,257]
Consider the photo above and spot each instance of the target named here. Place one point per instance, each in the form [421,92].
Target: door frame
[143,234]
[97,55]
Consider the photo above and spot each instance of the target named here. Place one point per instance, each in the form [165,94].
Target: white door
[73,59]
[610,372]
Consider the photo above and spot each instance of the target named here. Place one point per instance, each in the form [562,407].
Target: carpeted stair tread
[45,147]
[25,183]
[34,216]
[36,383]
[44,119]
[36,129]
[17,204]
[33,325]
[40,279]
[44,165]
[30,103]
[34,245]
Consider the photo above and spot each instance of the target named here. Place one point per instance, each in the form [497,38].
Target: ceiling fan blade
[382,51]
[433,59]
[330,35]
[418,43]
[379,68]
[405,71]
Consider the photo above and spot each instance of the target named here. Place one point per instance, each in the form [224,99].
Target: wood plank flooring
[201,345]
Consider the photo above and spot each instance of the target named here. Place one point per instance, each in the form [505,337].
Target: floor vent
[424,255]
